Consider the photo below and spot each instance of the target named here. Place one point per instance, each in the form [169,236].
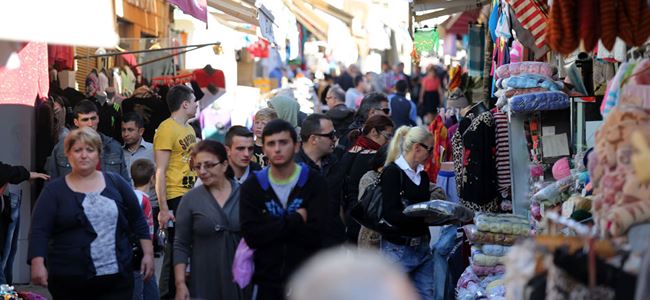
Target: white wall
[230,39]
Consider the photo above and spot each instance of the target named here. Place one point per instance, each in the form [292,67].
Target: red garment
[440,142]
[259,49]
[130,60]
[60,57]
[148,213]
[367,143]
[430,84]
[31,79]
[203,79]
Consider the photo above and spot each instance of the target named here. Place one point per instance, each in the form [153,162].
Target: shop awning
[237,9]
[430,9]
[458,23]
[307,17]
[333,11]
[63,22]
[234,23]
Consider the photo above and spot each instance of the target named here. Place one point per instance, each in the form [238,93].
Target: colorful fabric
[426,41]
[503,153]
[539,102]
[23,84]
[613,93]
[533,19]
[195,8]
[526,81]
[530,67]
[367,143]
[441,148]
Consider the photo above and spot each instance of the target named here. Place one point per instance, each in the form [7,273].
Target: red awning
[458,23]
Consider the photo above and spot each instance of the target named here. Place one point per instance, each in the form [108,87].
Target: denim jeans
[441,251]
[11,238]
[416,261]
[145,290]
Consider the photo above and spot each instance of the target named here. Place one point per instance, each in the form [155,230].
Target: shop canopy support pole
[144,51]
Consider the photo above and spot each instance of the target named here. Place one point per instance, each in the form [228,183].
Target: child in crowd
[262,117]
[143,174]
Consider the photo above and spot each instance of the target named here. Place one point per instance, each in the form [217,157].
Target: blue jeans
[11,239]
[441,251]
[416,261]
[145,290]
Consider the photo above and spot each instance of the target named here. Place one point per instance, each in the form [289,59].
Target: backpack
[368,210]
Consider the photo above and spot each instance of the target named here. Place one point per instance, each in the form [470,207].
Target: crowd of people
[286,187]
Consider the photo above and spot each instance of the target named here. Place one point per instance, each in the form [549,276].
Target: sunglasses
[331,135]
[429,149]
[206,165]
[387,136]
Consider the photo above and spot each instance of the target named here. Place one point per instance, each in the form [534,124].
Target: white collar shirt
[414,175]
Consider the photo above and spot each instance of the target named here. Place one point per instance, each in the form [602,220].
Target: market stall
[550,155]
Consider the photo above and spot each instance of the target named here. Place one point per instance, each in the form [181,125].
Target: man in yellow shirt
[172,144]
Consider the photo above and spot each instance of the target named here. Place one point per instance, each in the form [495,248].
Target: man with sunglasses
[318,143]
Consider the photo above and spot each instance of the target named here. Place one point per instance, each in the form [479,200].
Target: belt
[409,241]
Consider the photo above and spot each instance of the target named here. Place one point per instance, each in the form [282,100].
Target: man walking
[240,147]
[318,144]
[402,111]
[112,160]
[172,144]
[282,209]
[338,112]
[135,147]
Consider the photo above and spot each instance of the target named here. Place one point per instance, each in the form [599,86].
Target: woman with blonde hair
[82,228]
[404,182]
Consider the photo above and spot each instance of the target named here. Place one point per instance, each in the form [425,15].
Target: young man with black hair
[282,212]
[402,111]
[112,160]
[354,95]
[172,144]
[135,147]
[240,146]
[318,143]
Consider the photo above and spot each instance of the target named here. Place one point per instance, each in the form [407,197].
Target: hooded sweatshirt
[287,109]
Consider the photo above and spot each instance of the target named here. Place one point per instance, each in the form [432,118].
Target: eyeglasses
[387,136]
[331,135]
[206,165]
[385,110]
[428,148]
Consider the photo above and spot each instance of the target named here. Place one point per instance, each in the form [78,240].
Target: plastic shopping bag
[243,266]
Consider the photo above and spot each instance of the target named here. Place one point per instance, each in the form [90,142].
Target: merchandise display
[440,212]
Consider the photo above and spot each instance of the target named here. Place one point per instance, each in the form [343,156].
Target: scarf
[367,143]
[287,109]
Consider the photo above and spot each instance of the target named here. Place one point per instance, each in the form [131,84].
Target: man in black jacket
[340,114]
[282,209]
[318,142]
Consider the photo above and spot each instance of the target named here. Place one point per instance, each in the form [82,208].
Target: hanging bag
[368,211]
[243,266]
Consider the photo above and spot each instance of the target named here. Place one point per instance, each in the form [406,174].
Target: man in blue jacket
[282,212]
[85,115]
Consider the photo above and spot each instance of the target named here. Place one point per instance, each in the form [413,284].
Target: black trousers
[264,292]
[167,282]
[108,287]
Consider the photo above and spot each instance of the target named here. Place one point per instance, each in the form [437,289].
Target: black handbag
[368,211]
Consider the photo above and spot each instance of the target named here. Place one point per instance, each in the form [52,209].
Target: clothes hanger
[208,69]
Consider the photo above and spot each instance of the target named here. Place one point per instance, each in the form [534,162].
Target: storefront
[552,130]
